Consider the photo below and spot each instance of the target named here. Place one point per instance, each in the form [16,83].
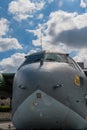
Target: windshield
[55,57]
[50,57]
[37,57]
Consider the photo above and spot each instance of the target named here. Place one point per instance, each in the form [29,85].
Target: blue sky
[62,25]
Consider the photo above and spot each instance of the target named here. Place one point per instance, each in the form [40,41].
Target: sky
[28,26]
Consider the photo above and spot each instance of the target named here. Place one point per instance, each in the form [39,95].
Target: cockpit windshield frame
[50,57]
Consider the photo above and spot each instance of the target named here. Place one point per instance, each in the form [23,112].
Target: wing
[6,83]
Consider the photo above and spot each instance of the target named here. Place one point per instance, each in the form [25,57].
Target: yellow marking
[77,80]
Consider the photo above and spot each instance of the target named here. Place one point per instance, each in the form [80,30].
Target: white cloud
[50,1]
[63,32]
[5,42]
[72,30]
[60,3]
[69,29]
[4,26]
[80,20]
[40,16]
[9,43]
[82,57]
[83,4]
[33,51]
[38,33]
[12,63]
[22,9]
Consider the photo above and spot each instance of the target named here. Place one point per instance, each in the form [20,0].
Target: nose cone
[45,112]
[38,112]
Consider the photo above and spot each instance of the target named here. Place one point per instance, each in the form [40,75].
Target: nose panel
[42,111]
[39,110]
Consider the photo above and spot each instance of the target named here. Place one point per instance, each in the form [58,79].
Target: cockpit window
[37,57]
[50,57]
[55,57]
[34,58]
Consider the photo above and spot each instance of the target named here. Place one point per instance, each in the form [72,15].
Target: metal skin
[45,96]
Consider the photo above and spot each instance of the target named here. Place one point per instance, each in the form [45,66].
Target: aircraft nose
[40,110]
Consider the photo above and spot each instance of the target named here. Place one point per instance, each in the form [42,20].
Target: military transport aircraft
[49,92]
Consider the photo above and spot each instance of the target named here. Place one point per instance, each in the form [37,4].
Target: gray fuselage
[49,91]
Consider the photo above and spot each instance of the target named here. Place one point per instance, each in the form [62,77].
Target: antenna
[41,41]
